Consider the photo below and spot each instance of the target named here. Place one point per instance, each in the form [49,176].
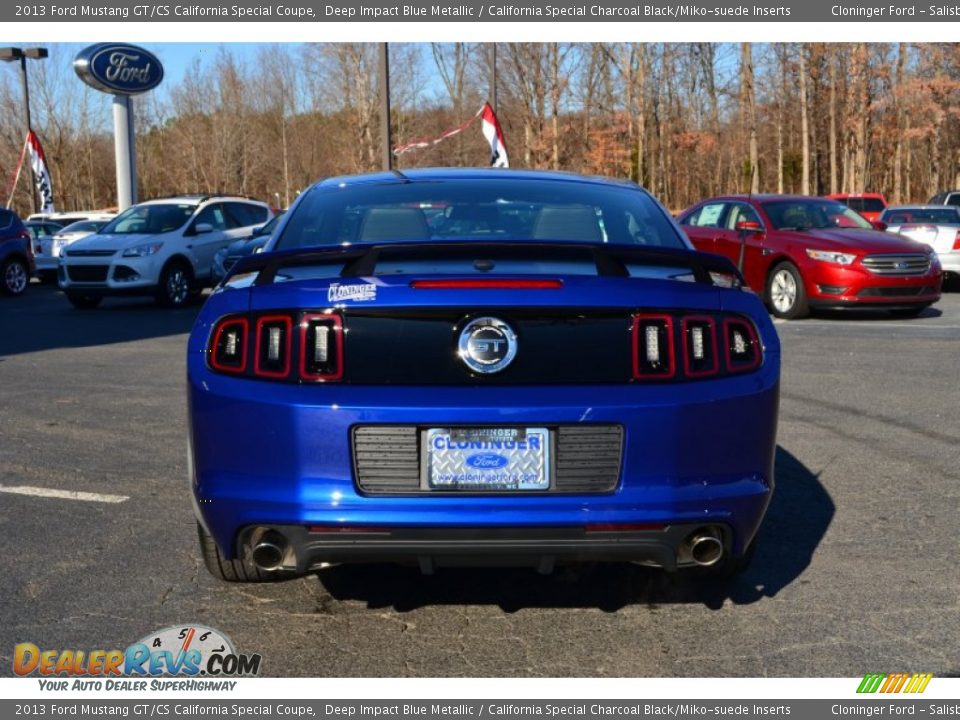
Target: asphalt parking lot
[857,570]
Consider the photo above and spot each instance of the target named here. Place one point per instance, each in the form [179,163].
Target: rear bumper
[276,455]
[541,547]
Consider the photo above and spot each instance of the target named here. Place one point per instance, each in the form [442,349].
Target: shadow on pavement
[877,314]
[797,520]
[43,319]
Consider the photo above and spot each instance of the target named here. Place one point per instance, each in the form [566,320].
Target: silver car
[935,225]
[49,247]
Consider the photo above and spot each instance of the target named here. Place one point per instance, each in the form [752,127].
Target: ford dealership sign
[118,68]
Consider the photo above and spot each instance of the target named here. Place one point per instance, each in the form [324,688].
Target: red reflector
[345,529]
[624,527]
[487,284]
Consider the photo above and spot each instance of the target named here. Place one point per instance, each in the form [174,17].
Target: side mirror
[257,230]
[747,226]
[202,228]
[879,225]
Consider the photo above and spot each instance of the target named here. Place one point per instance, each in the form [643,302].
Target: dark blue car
[16,254]
[449,366]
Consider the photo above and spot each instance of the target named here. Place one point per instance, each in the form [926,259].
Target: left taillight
[291,346]
[229,346]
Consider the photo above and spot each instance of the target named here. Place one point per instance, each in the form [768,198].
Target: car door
[704,226]
[204,246]
[752,241]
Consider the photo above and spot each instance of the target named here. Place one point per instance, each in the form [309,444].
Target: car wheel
[82,301]
[15,277]
[237,570]
[786,295]
[909,312]
[175,284]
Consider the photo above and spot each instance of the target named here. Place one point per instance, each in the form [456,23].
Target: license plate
[487,458]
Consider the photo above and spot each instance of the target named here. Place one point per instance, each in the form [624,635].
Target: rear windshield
[478,209]
[864,204]
[937,216]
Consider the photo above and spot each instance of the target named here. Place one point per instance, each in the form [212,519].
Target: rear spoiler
[610,260]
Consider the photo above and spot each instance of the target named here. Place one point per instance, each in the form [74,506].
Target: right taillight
[743,351]
[700,356]
[289,346]
[653,347]
[668,346]
[956,241]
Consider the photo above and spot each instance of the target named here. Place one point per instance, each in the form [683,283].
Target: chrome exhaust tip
[705,547]
[269,551]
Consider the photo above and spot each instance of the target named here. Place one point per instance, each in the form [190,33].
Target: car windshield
[812,215]
[150,219]
[936,216]
[478,210]
[90,226]
[864,204]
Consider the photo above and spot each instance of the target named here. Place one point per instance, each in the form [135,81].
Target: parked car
[49,247]
[163,248]
[950,197]
[16,254]
[227,257]
[801,252]
[551,375]
[869,205]
[935,225]
[41,231]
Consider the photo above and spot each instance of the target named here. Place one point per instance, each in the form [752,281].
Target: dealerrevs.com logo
[178,651]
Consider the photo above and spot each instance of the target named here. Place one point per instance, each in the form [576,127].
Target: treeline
[684,119]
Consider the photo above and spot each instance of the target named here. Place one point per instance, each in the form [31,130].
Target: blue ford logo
[487,461]
[118,68]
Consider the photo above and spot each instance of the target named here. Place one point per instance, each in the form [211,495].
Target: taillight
[321,347]
[709,345]
[742,345]
[956,241]
[653,351]
[700,356]
[228,350]
[272,357]
[278,352]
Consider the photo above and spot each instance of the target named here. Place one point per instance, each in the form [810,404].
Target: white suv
[163,248]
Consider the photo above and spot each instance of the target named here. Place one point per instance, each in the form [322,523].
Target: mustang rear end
[471,398]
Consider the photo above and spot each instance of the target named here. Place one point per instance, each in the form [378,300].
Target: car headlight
[142,250]
[829,256]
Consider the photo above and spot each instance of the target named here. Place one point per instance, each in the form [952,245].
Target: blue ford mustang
[451,366]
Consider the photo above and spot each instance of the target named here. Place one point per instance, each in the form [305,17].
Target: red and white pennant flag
[40,172]
[491,131]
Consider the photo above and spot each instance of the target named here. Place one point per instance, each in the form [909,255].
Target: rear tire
[237,570]
[14,277]
[785,295]
[82,301]
[175,284]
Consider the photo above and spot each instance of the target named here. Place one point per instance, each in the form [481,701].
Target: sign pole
[122,146]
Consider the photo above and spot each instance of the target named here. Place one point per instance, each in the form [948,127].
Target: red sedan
[802,252]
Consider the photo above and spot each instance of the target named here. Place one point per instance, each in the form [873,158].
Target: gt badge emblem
[487,345]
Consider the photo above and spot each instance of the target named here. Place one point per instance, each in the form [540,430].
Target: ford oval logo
[487,461]
[118,68]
